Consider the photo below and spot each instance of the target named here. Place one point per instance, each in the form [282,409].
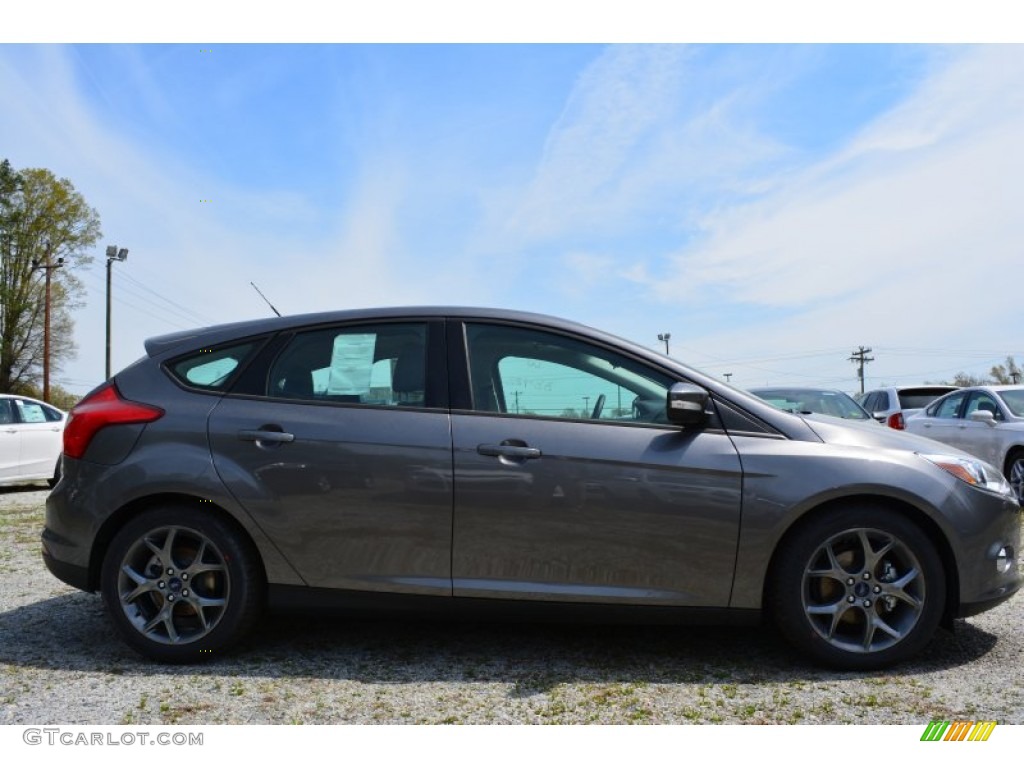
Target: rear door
[570,485]
[342,454]
[941,420]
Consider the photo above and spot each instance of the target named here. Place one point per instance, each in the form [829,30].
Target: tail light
[896,421]
[102,408]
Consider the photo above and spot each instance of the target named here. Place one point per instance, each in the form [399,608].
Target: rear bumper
[75,575]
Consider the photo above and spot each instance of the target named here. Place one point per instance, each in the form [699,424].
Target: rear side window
[383,364]
[32,413]
[947,408]
[876,401]
[212,368]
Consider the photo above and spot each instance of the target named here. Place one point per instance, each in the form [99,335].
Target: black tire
[181,585]
[1014,471]
[858,587]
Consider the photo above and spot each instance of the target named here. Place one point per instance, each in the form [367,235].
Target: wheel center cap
[174,584]
[862,589]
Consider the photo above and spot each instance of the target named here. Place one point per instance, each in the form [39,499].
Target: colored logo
[958,730]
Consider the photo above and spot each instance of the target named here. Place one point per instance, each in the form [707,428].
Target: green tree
[1006,374]
[42,219]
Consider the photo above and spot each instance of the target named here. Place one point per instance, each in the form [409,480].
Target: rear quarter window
[211,369]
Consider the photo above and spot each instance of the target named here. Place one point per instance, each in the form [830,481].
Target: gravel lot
[61,663]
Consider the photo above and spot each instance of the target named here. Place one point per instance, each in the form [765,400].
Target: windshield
[1014,400]
[825,401]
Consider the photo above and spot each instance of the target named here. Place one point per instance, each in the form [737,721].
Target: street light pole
[113,254]
[665,337]
[47,267]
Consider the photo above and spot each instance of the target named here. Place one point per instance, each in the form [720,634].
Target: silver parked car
[828,402]
[892,406]
[30,440]
[987,422]
[463,459]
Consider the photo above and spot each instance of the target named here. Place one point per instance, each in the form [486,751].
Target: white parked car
[892,406]
[31,440]
[985,421]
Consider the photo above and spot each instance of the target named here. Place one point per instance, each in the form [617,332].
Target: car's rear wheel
[1014,472]
[860,587]
[181,584]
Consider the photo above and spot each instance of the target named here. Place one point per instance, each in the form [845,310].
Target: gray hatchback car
[471,459]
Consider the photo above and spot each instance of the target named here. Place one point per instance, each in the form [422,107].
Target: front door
[571,485]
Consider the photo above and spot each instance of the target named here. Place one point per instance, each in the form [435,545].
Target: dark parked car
[465,459]
[828,402]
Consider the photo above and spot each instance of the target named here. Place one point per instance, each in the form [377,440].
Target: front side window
[982,401]
[519,371]
[381,364]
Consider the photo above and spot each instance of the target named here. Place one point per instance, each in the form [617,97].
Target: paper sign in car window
[351,364]
[31,413]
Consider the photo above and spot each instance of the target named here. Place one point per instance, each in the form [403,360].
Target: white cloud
[911,235]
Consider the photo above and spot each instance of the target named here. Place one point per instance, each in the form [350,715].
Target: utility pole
[113,254]
[665,337]
[860,357]
[47,267]
[728,377]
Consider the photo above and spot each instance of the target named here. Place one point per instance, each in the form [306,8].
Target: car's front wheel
[181,584]
[860,587]
[1015,472]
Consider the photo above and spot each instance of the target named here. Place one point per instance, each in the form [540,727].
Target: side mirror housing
[985,417]
[686,404]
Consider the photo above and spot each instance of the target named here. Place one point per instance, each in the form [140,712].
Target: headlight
[972,472]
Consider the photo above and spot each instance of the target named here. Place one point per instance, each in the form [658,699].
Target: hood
[874,435]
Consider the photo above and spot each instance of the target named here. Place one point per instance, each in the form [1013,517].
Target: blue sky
[773,207]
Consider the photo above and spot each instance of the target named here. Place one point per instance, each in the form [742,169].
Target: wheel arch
[118,519]
[914,514]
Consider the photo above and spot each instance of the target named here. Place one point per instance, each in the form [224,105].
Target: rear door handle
[266,436]
[509,451]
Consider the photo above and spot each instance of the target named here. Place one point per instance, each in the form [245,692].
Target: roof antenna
[265,298]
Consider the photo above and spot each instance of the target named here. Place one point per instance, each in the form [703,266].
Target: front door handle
[509,451]
[266,434]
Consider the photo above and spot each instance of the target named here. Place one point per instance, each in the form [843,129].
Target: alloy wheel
[863,590]
[173,585]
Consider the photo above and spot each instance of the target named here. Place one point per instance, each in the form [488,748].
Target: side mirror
[985,417]
[686,404]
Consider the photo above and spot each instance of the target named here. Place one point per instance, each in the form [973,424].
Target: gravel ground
[61,663]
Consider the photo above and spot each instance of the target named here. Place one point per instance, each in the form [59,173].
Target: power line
[143,286]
